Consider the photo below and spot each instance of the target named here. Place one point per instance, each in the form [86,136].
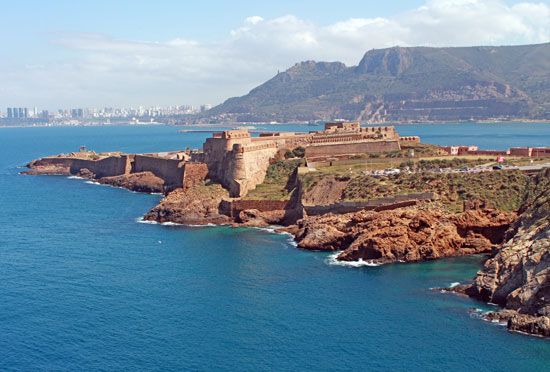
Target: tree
[299,152]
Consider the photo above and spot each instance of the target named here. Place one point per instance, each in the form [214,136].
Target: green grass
[276,184]
[503,190]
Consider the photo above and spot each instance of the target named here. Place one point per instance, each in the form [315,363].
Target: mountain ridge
[405,84]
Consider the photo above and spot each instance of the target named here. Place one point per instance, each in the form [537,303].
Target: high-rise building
[10,113]
[77,113]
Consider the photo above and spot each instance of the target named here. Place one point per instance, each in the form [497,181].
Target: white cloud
[106,70]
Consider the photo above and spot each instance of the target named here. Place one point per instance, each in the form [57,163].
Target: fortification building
[239,161]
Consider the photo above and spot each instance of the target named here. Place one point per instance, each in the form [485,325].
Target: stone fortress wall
[239,161]
[102,167]
[170,170]
[175,173]
[234,158]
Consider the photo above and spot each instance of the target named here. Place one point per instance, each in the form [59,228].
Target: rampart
[233,208]
[175,173]
[392,202]
[170,170]
[409,140]
[328,149]
[535,152]
[194,174]
[106,167]
[239,161]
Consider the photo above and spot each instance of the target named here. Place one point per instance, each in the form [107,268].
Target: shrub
[299,152]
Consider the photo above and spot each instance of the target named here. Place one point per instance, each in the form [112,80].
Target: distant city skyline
[131,53]
[83,112]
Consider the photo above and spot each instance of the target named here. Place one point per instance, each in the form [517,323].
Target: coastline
[368,219]
[224,125]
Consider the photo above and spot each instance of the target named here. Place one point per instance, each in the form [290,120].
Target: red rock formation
[518,277]
[140,182]
[194,206]
[50,170]
[408,234]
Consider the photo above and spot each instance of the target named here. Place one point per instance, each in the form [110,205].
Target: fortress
[232,158]
[239,161]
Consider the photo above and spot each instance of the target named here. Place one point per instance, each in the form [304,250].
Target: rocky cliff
[197,205]
[140,182]
[407,234]
[518,276]
[405,84]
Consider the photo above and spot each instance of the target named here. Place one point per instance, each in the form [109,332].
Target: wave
[92,183]
[149,222]
[454,284]
[274,230]
[141,220]
[331,260]
[171,224]
[76,178]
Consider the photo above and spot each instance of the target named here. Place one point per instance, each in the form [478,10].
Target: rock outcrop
[37,169]
[193,206]
[407,234]
[140,182]
[518,276]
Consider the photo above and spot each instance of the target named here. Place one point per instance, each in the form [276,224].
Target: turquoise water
[86,287]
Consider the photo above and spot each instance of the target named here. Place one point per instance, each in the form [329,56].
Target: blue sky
[95,53]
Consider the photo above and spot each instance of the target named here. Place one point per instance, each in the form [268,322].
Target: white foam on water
[331,260]
[141,220]
[92,183]
[454,284]
[292,242]
[274,230]
[75,178]
[266,229]
[171,224]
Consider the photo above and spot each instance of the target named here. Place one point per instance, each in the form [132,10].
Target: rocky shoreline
[403,235]
[516,277]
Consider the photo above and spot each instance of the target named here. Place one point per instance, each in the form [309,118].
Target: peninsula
[367,194]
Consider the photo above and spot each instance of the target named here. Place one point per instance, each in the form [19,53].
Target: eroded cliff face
[518,276]
[192,206]
[407,234]
[140,182]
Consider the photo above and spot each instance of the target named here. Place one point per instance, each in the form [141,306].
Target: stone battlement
[239,161]
[256,147]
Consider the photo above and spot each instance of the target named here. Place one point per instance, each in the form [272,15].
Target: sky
[61,54]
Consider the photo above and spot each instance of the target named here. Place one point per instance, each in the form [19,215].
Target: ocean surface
[84,286]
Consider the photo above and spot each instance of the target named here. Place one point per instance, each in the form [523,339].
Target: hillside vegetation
[504,190]
[406,84]
[277,184]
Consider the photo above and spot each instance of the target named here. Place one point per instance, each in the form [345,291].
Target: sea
[84,285]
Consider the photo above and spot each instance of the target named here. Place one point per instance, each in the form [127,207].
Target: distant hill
[406,85]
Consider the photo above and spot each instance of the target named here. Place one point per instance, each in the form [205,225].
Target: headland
[366,193]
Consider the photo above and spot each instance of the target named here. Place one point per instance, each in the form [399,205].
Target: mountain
[405,84]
